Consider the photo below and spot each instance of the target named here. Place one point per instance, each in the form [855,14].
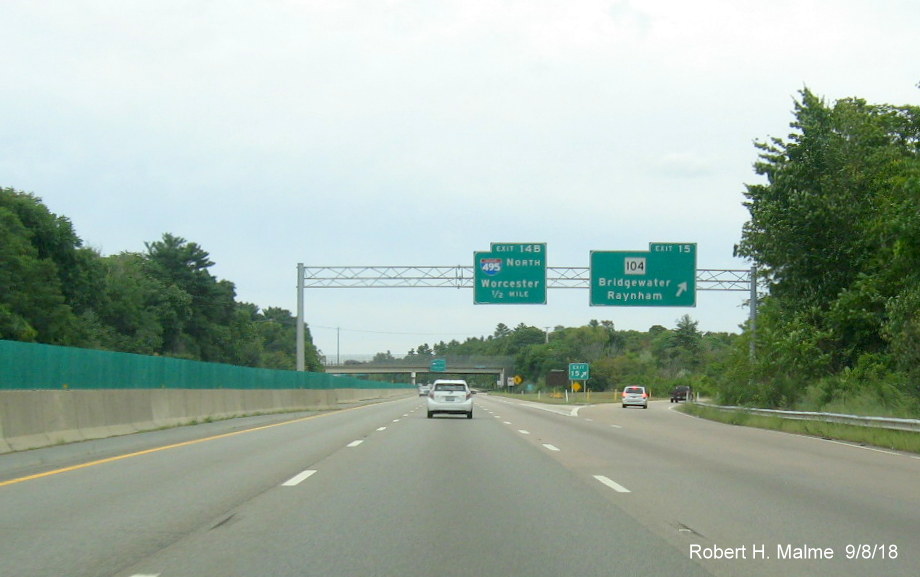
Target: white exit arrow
[681,288]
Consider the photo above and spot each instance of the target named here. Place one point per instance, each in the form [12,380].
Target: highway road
[520,490]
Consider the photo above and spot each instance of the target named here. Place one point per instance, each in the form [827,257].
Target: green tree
[501,330]
[685,346]
[383,357]
[134,306]
[835,231]
[524,336]
[199,325]
[278,329]
[33,304]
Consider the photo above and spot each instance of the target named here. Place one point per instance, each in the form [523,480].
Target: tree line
[659,358]
[163,301]
[835,233]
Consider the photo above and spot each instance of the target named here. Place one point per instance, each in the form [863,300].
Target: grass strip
[877,437]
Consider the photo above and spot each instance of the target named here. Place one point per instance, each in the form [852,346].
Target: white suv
[450,396]
[635,396]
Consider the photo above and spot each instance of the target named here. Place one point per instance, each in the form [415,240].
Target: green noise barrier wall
[51,394]
[30,366]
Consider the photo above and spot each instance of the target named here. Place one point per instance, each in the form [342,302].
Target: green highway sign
[510,273]
[438,365]
[663,276]
[579,371]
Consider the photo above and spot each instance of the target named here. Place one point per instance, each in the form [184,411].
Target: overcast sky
[415,132]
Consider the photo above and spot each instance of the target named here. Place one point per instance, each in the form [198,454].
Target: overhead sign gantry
[517,273]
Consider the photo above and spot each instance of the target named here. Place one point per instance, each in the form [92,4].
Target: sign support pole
[753,313]
[301,349]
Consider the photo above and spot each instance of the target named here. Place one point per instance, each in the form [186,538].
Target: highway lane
[95,520]
[711,486]
[444,496]
[518,490]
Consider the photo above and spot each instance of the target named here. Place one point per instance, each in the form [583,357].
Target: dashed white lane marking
[507,422]
[612,484]
[354,443]
[298,479]
[617,426]
[381,428]
[395,420]
[146,575]
[550,447]
[523,432]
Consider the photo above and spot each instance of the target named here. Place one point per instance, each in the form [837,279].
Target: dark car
[680,393]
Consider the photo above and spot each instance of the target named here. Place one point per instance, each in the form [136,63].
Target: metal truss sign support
[459,276]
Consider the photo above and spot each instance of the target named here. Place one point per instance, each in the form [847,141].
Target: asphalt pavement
[521,489]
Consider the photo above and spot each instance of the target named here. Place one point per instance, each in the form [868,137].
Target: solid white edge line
[849,444]
[298,479]
[612,484]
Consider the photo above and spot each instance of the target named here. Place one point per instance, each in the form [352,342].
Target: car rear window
[449,387]
[633,389]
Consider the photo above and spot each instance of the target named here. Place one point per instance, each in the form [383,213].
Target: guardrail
[912,425]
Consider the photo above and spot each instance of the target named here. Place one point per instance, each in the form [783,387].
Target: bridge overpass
[433,368]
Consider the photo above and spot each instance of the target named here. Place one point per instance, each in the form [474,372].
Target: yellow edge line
[163,448]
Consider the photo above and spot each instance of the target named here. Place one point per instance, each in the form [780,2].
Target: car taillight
[431,394]
[644,395]
[468,395]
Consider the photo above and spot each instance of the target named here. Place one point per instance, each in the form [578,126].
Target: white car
[635,396]
[423,390]
[450,396]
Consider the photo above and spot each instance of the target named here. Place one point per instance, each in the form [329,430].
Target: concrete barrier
[34,419]
[4,447]
[90,413]
[24,416]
